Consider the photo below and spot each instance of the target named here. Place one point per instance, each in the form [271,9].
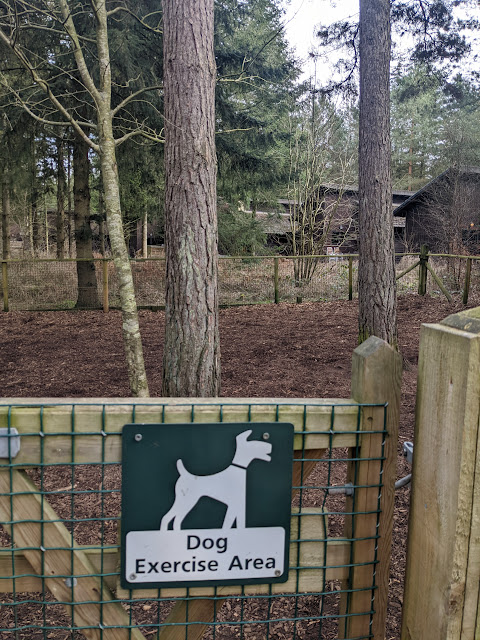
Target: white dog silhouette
[227,486]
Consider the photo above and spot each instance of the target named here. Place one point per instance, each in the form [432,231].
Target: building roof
[401,210]
[353,188]
[275,223]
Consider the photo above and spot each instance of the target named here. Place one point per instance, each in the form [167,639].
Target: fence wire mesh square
[60,512]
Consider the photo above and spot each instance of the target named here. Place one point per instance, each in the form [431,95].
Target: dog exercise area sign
[205,504]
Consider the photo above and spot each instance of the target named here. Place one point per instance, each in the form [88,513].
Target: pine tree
[191,363]
[376,268]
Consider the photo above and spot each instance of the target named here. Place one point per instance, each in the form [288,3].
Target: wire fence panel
[37,285]
[60,508]
[148,280]
[408,283]
[246,281]
[47,284]
[324,278]
[451,272]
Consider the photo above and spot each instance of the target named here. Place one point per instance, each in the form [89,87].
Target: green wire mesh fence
[60,510]
[37,285]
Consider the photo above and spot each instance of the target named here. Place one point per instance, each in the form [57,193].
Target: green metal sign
[205,504]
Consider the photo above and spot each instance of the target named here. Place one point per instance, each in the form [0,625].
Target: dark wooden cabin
[445,213]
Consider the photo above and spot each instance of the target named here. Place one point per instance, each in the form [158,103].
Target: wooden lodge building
[444,215]
[340,206]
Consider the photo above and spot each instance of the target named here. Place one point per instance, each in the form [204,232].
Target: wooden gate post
[5,285]
[422,271]
[441,599]
[376,378]
[275,281]
[468,274]
[105,285]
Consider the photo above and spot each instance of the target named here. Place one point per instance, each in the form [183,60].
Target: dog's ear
[244,435]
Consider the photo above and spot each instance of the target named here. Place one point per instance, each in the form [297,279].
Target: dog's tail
[181,468]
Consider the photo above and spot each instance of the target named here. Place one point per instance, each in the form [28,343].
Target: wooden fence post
[350,278]
[443,561]
[468,274]
[105,285]
[275,280]
[439,283]
[5,285]
[376,378]
[422,271]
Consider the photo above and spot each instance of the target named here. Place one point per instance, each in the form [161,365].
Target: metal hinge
[9,442]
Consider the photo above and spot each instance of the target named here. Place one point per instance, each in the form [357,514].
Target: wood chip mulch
[286,350]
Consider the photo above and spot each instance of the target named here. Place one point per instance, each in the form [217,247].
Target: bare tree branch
[132,96]
[77,52]
[44,85]
[125,9]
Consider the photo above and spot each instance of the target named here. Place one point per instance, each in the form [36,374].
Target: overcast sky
[302,16]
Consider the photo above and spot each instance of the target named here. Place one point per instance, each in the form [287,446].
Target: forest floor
[286,350]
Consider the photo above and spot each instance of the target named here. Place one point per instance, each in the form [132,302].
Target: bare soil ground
[284,350]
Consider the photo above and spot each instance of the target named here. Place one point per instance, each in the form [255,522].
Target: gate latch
[408,451]
[9,442]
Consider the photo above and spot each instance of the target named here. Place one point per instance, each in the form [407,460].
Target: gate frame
[46,544]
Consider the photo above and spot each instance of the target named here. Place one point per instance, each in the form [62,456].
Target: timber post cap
[468,320]
[370,346]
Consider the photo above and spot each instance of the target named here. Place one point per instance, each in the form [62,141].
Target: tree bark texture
[61,187]
[376,270]
[86,276]
[5,214]
[191,365]
[108,164]
[70,216]
[145,234]
[37,227]
[130,325]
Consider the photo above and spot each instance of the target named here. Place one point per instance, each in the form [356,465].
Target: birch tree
[89,80]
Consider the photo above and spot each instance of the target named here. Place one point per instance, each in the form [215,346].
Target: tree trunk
[70,217]
[145,233]
[45,219]
[376,270]
[131,329]
[108,164]
[87,280]
[61,186]
[5,214]
[37,227]
[191,363]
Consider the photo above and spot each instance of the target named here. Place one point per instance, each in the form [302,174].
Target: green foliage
[434,125]
[255,91]
[437,37]
[239,232]
[436,32]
